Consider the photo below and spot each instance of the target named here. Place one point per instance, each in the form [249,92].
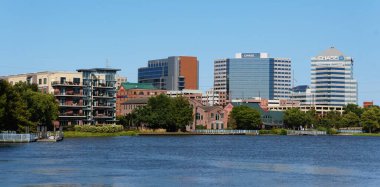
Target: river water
[194,161]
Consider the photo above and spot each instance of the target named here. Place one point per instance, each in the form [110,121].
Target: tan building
[190,94]
[44,80]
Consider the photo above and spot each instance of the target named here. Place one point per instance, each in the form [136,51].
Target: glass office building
[172,73]
[250,75]
[332,81]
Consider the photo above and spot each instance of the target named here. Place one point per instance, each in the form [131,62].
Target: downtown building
[251,75]
[172,73]
[332,80]
[87,96]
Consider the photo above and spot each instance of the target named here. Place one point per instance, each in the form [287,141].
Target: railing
[71,114]
[12,137]
[306,132]
[66,83]
[222,131]
[350,131]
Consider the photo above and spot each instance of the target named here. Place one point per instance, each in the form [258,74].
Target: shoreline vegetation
[277,132]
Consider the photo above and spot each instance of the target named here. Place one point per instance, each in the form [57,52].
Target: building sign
[337,58]
[250,55]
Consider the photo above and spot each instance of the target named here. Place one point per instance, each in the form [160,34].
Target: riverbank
[366,134]
[77,134]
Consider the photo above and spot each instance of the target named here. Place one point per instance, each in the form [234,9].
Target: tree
[182,113]
[245,117]
[22,106]
[354,109]
[294,118]
[370,119]
[162,111]
[331,119]
[14,113]
[350,119]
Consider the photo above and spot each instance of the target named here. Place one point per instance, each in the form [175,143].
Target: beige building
[44,79]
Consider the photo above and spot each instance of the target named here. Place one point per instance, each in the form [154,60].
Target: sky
[65,35]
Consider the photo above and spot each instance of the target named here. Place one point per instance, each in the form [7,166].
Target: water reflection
[193,161]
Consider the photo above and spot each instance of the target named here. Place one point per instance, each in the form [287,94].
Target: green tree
[14,113]
[162,111]
[245,117]
[22,106]
[182,113]
[350,119]
[294,118]
[331,119]
[370,119]
[354,109]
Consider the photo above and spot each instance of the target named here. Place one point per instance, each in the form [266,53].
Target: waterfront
[195,161]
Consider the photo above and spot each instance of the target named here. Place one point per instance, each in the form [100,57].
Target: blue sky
[42,35]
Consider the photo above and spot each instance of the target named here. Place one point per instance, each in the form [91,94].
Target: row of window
[40,81]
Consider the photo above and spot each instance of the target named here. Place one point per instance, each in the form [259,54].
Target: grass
[77,134]
[366,134]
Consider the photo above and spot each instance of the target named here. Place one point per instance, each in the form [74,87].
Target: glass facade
[251,77]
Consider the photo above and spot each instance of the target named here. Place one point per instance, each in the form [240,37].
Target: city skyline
[49,36]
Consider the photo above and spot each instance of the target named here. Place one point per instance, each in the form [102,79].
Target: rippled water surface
[194,161]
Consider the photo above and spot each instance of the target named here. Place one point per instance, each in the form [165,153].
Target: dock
[13,137]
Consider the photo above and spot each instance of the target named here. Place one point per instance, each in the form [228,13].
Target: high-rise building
[99,95]
[250,75]
[332,80]
[303,95]
[172,73]
[85,97]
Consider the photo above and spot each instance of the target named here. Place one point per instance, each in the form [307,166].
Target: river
[194,161]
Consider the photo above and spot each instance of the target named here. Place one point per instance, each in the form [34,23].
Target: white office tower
[332,80]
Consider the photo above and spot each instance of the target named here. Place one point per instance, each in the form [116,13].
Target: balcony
[72,105]
[71,115]
[104,106]
[102,116]
[66,83]
[68,93]
[104,86]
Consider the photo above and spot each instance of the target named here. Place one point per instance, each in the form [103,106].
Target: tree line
[23,107]
[161,112]
[353,116]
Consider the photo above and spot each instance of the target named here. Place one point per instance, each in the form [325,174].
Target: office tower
[332,80]
[172,73]
[250,75]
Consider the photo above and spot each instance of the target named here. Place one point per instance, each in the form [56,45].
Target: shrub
[273,131]
[331,131]
[200,127]
[99,128]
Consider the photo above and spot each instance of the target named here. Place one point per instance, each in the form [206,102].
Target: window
[197,116]
[76,81]
[39,81]
[45,80]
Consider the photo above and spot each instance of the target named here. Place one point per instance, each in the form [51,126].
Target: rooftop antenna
[107,63]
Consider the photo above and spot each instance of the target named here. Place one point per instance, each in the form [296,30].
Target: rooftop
[98,69]
[332,51]
[210,108]
[144,86]
[137,101]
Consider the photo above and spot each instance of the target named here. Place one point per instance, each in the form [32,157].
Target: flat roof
[98,69]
